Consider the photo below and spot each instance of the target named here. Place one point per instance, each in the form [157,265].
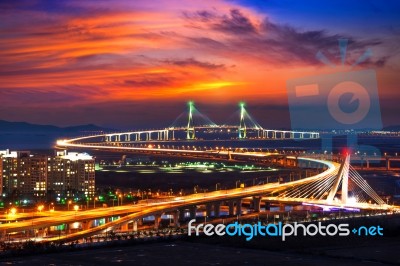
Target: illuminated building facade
[37,175]
[72,172]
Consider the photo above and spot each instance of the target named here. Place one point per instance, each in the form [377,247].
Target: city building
[69,173]
[66,174]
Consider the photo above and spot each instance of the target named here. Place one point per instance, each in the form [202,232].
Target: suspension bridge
[338,185]
[187,126]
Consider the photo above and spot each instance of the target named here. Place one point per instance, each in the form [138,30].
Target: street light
[120,196]
[69,202]
[76,208]
[13,211]
[237,181]
[40,208]
[94,202]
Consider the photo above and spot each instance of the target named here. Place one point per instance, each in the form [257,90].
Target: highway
[151,207]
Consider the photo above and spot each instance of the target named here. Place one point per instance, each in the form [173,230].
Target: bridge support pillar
[157,220]
[239,207]
[256,203]
[387,164]
[67,229]
[281,207]
[181,215]
[231,205]
[176,218]
[86,225]
[367,161]
[135,226]
[71,227]
[217,209]
[193,212]
[208,209]
[124,227]
[267,206]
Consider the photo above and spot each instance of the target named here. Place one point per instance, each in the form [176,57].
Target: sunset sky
[135,64]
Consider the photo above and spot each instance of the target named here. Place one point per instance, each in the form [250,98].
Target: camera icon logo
[343,100]
[358,94]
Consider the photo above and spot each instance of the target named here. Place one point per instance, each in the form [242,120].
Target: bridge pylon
[342,178]
[190,130]
[242,124]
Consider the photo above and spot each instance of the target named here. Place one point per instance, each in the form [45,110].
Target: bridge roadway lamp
[40,208]
[121,197]
[13,211]
[76,208]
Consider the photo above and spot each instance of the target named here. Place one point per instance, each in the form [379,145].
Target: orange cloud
[136,51]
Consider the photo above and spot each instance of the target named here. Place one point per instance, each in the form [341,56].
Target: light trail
[152,207]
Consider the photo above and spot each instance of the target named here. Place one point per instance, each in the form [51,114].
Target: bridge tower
[343,179]
[190,130]
[242,124]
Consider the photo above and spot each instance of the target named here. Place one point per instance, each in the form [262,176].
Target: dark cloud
[150,81]
[302,46]
[49,96]
[194,62]
[71,65]
[275,43]
[209,42]
[233,23]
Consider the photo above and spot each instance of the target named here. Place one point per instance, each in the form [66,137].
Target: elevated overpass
[320,189]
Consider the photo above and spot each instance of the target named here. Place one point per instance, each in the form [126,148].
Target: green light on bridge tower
[242,124]
[190,131]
